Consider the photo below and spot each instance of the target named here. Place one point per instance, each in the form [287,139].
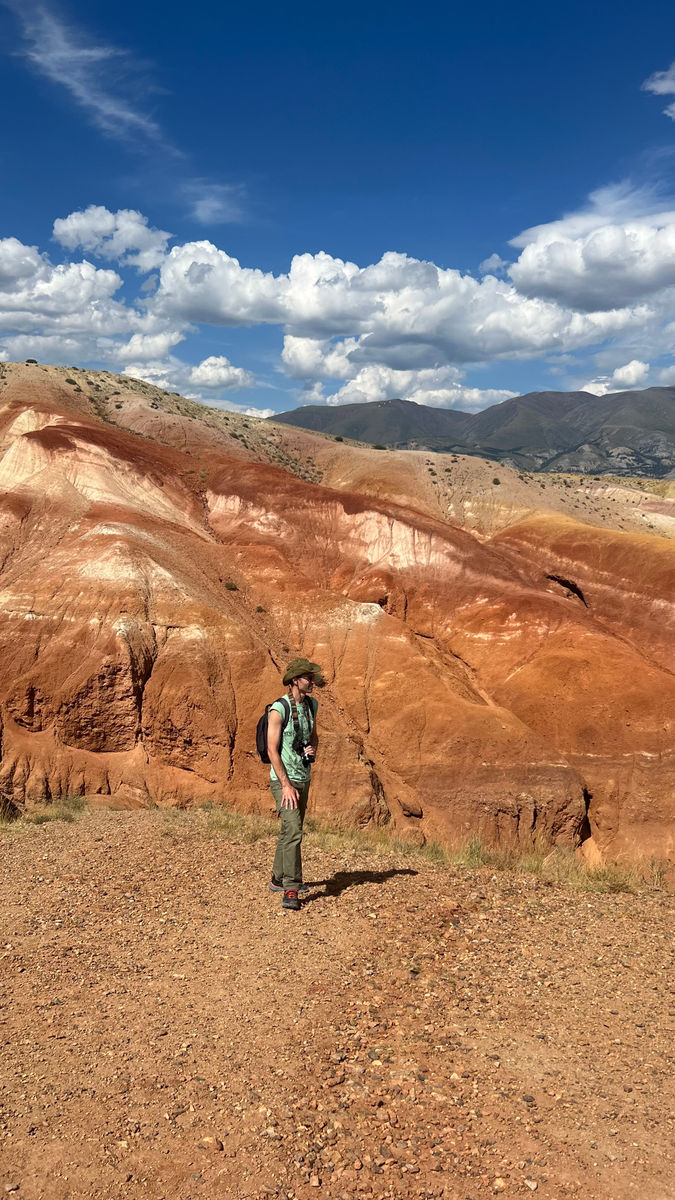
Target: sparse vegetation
[65,808]
[559,867]
[231,586]
[496,481]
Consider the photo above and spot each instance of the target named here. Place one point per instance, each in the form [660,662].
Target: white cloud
[438,388]
[114,90]
[36,295]
[214,203]
[316,360]
[103,79]
[123,236]
[494,265]
[632,375]
[213,375]
[218,372]
[148,347]
[662,83]
[618,249]
[227,405]
[399,311]
[396,327]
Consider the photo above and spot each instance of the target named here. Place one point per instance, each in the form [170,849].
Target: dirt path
[416,1031]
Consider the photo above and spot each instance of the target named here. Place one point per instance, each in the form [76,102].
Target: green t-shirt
[297,773]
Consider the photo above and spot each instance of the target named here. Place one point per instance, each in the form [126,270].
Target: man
[291,755]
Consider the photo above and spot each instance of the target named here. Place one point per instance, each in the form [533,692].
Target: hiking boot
[290,900]
[276,885]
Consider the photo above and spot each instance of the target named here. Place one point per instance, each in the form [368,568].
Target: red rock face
[467,690]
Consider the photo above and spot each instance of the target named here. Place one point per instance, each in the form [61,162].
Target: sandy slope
[169,1033]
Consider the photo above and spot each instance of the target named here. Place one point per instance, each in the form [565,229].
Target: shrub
[259,608]
[339,438]
[73,381]
[231,586]
[118,405]
[379,446]
[31,362]
[496,481]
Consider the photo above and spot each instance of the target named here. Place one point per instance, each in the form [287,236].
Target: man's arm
[289,794]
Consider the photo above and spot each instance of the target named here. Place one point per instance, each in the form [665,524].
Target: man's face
[305,684]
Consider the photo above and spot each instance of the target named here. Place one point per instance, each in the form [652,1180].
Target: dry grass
[65,808]
[561,867]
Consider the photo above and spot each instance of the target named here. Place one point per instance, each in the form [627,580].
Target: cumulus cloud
[36,295]
[435,387]
[662,83]
[175,376]
[395,327]
[494,265]
[148,347]
[618,249]
[632,375]
[217,372]
[124,236]
[316,360]
[399,311]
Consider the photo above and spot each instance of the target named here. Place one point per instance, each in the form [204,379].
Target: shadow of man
[341,880]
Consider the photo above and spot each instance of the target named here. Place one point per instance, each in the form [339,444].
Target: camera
[306,752]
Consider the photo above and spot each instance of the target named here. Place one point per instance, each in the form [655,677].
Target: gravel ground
[415,1031]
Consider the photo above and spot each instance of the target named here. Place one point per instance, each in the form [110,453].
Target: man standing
[291,745]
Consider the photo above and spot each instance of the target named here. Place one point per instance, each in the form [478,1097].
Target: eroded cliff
[513,676]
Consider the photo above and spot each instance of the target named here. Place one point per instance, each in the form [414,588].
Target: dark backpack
[261,728]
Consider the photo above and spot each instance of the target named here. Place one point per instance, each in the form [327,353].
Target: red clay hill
[499,657]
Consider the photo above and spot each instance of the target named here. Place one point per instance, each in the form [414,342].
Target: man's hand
[289,796]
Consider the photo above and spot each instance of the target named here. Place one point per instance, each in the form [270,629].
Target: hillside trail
[416,1031]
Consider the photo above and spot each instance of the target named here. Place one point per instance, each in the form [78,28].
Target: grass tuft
[66,808]
[241,828]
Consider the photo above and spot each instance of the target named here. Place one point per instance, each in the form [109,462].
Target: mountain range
[624,433]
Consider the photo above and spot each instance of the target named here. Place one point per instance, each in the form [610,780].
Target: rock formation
[513,677]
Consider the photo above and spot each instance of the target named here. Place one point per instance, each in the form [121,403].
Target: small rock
[314,1181]
[531,1184]
[499,1185]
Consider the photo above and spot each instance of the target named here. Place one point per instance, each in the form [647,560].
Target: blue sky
[445,204]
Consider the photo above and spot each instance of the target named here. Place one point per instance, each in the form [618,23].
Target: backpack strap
[313,706]
[283,700]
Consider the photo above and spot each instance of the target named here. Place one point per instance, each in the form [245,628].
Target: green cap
[302,666]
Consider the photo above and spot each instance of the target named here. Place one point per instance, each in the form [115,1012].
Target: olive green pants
[288,858]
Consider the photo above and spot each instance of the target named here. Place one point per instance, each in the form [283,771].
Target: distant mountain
[624,433]
[391,422]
